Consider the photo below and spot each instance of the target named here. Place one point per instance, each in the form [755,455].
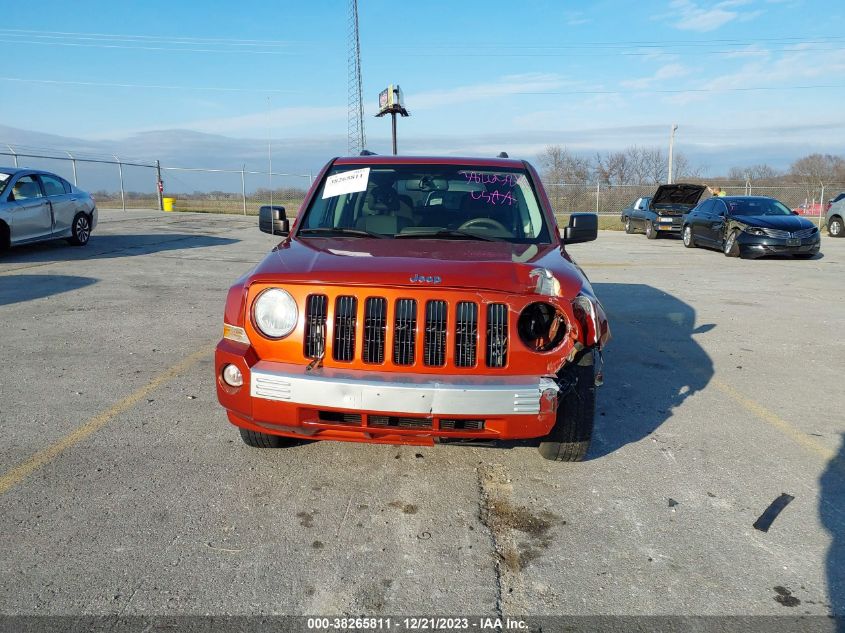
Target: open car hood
[679,195]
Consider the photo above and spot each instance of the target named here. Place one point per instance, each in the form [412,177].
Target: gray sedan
[37,205]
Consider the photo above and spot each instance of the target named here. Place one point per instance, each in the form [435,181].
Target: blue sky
[746,80]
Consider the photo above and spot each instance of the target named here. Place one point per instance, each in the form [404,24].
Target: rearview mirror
[583,227]
[272,220]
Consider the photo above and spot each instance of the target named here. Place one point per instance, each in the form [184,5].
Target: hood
[789,223]
[498,266]
[677,196]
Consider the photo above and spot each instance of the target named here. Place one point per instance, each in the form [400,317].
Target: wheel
[689,240]
[835,227]
[629,228]
[650,231]
[570,437]
[731,248]
[81,230]
[263,440]
[5,237]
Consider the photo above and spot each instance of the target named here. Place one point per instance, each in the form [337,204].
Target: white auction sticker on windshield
[346,182]
[4,177]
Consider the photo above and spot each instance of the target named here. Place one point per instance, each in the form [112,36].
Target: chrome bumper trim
[412,393]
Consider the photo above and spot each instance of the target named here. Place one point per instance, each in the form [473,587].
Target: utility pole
[356,140]
[671,149]
[159,186]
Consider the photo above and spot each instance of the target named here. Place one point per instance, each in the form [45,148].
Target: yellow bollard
[167,203]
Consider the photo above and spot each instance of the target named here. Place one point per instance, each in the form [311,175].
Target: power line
[145,86]
[651,90]
[159,48]
[166,38]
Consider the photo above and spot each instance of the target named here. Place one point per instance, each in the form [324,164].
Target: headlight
[541,327]
[753,230]
[274,313]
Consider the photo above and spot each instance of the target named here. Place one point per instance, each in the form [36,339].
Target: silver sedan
[37,205]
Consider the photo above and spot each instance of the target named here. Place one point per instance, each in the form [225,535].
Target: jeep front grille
[316,309]
[345,312]
[405,332]
[436,333]
[466,334]
[497,335]
[434,341]
[375,326]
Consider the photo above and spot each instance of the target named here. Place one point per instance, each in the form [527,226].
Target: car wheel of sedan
[731,248]
[650,231]
[81,230]
[834,227]
[689,240]
[256,439]
[570,436]
[629,228]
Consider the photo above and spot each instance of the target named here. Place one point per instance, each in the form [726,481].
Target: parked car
[812,209]
[37,205]
[663,212]
[750,226]
[834,216]
[414,301]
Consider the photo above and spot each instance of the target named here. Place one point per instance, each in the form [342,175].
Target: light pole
[671,148]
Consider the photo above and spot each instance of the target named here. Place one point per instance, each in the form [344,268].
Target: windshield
[427,202]
[4,181]
[761,206]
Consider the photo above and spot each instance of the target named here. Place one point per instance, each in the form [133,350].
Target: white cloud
[504,86]
[689,16]
[658,79]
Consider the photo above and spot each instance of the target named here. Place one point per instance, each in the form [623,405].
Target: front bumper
[753,246]
[372,406]
[669,223]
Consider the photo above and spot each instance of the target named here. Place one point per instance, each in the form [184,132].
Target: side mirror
[272,220]
[583,227]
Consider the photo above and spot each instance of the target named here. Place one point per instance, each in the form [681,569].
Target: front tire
[689,240]
[80,230]
[731,248]
[570,437]
[650,231]
[835,227]
[629,228]
[256,439]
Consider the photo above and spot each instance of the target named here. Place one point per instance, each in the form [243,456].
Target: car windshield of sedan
[757,207]
[4,181]
[427,202]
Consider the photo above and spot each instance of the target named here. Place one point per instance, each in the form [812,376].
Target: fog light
[232,376]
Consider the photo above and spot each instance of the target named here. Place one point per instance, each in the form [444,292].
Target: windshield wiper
[451,234]
[339,230]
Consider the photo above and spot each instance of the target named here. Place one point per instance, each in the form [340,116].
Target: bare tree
[684,169]
[614,168]
[559,166]
[817,169]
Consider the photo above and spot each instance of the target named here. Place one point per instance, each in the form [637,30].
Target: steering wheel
[486,223]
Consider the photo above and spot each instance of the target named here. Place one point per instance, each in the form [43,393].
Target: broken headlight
[541,326]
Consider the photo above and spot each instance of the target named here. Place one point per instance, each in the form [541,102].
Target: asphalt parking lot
[124,490]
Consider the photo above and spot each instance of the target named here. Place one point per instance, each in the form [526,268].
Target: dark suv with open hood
[664,211]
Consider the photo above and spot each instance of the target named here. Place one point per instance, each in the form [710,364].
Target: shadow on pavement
[20,288]
[832,514]
[652,363]
[111,246]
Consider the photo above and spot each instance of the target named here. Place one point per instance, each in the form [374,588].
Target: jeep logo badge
[425,279]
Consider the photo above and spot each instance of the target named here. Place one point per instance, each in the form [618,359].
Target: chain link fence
[118,183]
[129,184]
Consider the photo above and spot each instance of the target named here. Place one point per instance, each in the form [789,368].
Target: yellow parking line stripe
[20,472]
[776,421]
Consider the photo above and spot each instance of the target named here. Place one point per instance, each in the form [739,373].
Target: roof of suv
[509,163]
